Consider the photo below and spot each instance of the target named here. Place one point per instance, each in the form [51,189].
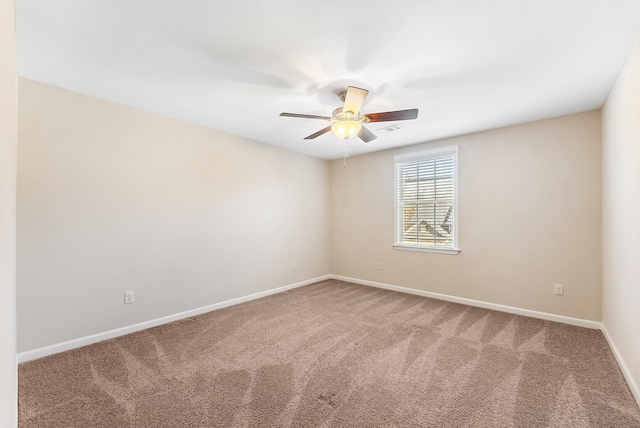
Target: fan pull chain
[346,154]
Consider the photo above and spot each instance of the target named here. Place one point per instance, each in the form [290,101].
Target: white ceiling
[468,65]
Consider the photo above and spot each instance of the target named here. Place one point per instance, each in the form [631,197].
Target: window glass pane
[426,201]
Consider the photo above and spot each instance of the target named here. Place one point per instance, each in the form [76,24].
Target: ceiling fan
[347,120]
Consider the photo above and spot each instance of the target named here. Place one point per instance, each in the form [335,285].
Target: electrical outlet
[558,289]
[294,266]
[380,266]
[128,297]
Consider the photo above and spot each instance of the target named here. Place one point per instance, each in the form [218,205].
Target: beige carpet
[335,354]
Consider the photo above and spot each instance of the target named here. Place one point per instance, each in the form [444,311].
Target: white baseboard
[503,308]
[633,386]
[94,338]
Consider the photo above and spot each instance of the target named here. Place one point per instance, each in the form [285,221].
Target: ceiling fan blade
[305,116]
[393,115]
[319,133]
[366,135]
[353,99]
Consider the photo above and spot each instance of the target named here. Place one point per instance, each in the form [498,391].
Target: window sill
[426,249]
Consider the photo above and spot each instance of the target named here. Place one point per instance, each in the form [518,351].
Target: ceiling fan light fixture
[346,129]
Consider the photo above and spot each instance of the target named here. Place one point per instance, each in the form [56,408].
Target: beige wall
[112,199]
[621,215]
[529,213]
[8,127]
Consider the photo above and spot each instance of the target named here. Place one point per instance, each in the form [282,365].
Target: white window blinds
[426,199]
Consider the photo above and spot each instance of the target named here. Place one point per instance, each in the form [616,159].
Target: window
[426,200]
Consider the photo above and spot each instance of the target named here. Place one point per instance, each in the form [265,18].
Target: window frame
[425,155]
